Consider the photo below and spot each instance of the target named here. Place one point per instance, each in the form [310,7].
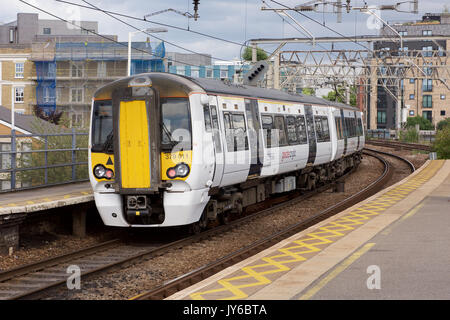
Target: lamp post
[130,34]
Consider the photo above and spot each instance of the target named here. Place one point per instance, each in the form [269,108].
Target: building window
[76,70]
[209,73]
[49,95]
[195,73]
[411,112]
[428,68]
[427,51]
[442,112]
[101,69]
[403,52]
[411,97]
[403,33]
[381,117]
[76,95]
[19,70]
[427,85]
[5,159]
[223,74]
[77,120]
[18,93]
[412,80]
[442,96]
[47,31]
[11,36]
[427,101]
[426,32]
[427,115]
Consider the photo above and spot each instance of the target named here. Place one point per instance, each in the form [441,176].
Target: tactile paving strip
[249,279]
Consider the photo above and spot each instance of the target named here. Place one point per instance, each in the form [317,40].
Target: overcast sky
[235,20]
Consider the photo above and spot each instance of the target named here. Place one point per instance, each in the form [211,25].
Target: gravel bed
[129,281]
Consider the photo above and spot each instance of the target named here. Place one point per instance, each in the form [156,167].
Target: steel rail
[132,254]
[400,145]
[201,273]
[151,251]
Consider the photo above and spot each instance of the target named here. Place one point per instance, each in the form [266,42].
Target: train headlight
[99,171]
[109,174]
[182,170]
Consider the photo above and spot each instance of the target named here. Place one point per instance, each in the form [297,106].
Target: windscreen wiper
[108,145]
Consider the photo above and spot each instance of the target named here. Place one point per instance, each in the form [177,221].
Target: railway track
[208,270]
[399,145]
[35,280]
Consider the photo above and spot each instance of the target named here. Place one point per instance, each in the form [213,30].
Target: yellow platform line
[336,271]
[282,260]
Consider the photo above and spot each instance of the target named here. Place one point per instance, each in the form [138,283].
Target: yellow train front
[141,152]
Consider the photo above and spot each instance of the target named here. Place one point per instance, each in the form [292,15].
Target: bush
[442,143]
[443,123]
[410,135]
[424,123]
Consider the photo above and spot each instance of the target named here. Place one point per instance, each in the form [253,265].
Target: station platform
[45,198]
[393,245]
[16,206]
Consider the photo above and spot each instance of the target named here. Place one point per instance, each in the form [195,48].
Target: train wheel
[225,218]
[195,228]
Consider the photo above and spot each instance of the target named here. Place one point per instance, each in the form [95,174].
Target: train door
[344,123]
[235,142]
[136,149]
[254,135]
[357,130]
[311,134]
[218,150]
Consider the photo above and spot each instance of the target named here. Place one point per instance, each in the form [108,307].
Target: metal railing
[30,161]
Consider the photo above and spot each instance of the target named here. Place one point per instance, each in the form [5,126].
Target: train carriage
[168,150]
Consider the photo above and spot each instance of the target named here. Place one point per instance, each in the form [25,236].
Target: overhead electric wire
[159,23]
[134,27]
[90,31]
[149,21]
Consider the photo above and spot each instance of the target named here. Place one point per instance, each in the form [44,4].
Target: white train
[167,150]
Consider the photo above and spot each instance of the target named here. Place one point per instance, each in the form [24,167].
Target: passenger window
[322,130]
[207,116]
[235,132]
[267,125]
[291,130]
[215,127]
[280,127]
[325,130]
[228,131]
[301,130]
[239,132]
[360,127]
[338,128]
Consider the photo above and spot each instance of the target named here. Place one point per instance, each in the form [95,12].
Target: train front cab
[141,156]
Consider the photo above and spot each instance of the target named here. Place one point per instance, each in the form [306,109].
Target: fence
[35,160]
[424,136]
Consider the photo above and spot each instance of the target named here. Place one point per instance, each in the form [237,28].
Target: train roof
[177,85]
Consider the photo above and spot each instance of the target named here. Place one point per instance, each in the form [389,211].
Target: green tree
[443,123]
[60,172]
[442,143]
[338,95]
[260,54]
[309,91]
[410,135]
[424,124]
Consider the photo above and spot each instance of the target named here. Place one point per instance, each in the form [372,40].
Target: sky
[234,20]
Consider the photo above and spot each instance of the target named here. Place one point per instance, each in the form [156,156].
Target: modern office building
[421,92]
